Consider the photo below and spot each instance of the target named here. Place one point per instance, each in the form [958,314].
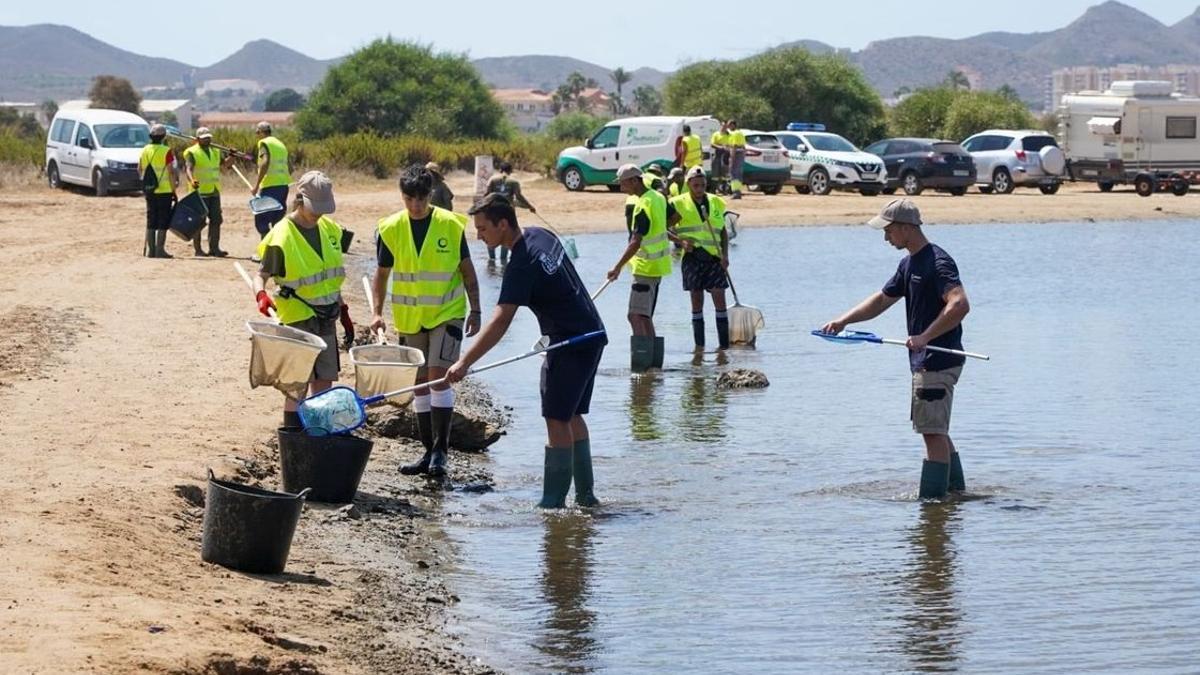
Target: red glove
[265,304]
[347,324]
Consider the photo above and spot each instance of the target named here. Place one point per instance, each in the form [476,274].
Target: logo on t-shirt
[551,261]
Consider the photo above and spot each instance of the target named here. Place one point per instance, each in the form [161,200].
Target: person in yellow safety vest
[720,147]
[675,182]
[156,166]
[653,178]
[699,225]
[737,157]
[649,252]
[203,164]
[689,150]
[274,174]
[302,253]
[423,251]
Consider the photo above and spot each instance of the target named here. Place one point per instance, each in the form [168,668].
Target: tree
[957,79]
[771,89]
[647,100]
[943,112]
[170,119]
[49,109]
[392,88]
[115,93]
[573,126]
[620,77]
[1007,92]
[284,100]
[923,113]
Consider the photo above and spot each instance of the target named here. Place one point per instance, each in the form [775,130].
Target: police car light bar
[805,126]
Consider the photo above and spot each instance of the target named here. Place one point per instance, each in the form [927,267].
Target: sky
[599,33]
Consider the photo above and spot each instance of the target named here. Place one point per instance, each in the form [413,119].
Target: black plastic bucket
[329,466]
[247,528]
[188,216]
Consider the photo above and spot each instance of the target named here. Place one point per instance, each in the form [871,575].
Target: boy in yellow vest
[649,252]
[303,254]
[203,164]
[698,224]
[159,182]
[423,250]
[274,174]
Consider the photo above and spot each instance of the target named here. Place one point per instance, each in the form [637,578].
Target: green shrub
[573,126]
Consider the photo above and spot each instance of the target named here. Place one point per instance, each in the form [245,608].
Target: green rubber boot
[957,482]
[935,479]
[581,467]
[660,352]
[556,481]
[641,353]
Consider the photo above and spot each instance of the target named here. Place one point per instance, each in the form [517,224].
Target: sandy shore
[122,379]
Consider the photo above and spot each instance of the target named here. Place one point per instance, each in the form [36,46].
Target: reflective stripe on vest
[692,227]
[315,278]
[206,168]
[692,156]
[427,287]
[653,258]
[277,168]
[154,155]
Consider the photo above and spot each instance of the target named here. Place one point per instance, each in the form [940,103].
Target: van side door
[643,144]
[603,154]
[62,143]
[81,160]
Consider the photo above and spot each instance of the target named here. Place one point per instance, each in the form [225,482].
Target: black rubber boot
[581,469]
[196,249]
[441,418]
[722,330]
[641,353]
[935,479]
[160,244]
[698,328]
[957,482]
[556,479]
[149,249]
[214,242]
[660,352]
[425,433]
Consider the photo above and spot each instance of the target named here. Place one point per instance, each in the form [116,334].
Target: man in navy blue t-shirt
[935,302]
[540,276]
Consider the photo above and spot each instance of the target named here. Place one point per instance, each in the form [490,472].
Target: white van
[96,148]
[633,140]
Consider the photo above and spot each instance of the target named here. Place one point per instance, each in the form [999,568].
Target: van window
[62,131]
[123,135]
[1181,127]
[606,138]
[644,134]
[84,133]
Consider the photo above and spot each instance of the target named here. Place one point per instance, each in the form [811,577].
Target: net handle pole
[239,174]
[712,233]
[602,289]
[250,282]
[955,352]
[548,225]
[380,337]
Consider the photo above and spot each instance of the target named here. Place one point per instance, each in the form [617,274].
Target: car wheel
[912,183]
[100,183]
[52,177]
[572,179]
[1144,186]
[1002,181]
[1179,187]
[803,189]
[771,188]
[985,189]
[958,191]
[1049,189]
[613,188]
[1105,186]
[818,181]
[889,191]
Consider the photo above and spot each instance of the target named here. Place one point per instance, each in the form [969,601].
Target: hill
[547,72]
[269,63]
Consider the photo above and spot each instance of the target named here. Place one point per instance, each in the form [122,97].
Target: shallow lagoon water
[778,530]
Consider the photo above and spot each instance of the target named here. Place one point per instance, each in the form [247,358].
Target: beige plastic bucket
[379,369]
[282,357]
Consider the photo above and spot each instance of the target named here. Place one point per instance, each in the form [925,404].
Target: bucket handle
[303,493]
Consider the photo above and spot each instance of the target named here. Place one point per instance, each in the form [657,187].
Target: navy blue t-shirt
[923,279]
[541,277]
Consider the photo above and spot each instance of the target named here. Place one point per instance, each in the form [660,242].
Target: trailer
[1139,132]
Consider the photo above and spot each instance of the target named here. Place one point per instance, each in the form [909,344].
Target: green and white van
[633,140]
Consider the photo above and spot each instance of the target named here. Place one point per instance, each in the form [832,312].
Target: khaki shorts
[328,361]
[643,295]
[440,344]
[932,398]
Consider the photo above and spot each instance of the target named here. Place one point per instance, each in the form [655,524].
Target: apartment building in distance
[532,109]
[1186,79]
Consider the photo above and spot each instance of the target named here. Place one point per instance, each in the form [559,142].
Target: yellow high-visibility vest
[692,154]
[653,258]
[277,168]
[315,278]
[427,285]
[154,155]
[206,167]
[737,139]
[719,139]
[691,226]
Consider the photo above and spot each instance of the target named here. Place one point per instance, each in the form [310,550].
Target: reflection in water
[932,635]
[703,404]
[643,418]
[566,572]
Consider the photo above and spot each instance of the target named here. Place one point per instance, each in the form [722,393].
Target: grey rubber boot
[641,353]
[425,433]
[660,352]
[160,244]
[556,480]
[441,418]
[148,249]
[935,479]
[581,468]
[957,482]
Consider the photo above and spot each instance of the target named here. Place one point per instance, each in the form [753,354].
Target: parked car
[637,140]
[1008,159]
[766,166]
[914,164]
[823,161]
[96,148]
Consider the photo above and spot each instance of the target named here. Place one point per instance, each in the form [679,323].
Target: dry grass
[15,176]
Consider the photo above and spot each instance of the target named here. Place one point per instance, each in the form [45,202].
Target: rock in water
[478,421]
[743,378]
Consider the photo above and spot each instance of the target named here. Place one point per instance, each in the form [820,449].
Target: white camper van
[633,140]
[1137,132]
[96,148]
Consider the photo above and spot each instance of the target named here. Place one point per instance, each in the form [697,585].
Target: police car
[823,161]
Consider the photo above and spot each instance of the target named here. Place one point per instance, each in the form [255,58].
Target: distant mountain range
[50,61]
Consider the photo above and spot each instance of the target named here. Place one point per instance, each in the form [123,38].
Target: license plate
[870,176]
[771,156]
[962,173]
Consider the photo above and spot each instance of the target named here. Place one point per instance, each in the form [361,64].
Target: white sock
[442,399]
[421,403]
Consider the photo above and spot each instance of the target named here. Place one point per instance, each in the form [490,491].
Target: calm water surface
[777,531]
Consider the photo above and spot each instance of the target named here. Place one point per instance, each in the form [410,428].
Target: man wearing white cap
[303,254]
[203,164]
[698,224]
[935,302]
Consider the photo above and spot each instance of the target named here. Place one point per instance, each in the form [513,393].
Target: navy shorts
[568,375]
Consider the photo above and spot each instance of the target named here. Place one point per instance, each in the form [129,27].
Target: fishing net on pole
[382,368]
[282,357]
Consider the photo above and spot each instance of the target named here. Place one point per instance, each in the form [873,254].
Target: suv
[823,161]
[96,148]
[915,164]
[1008,159]
[766,164]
